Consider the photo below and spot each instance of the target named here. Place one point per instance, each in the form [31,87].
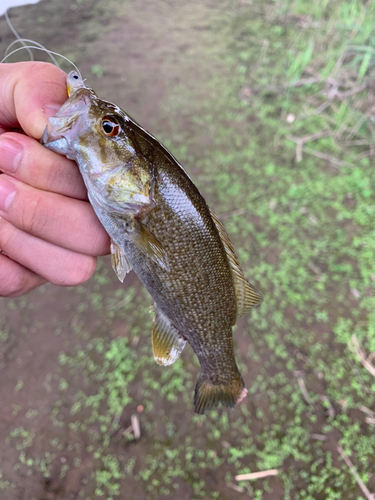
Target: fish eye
[110,126]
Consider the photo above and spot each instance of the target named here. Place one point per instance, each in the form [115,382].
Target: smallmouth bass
[161,227]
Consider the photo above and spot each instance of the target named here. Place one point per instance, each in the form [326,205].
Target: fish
[161,227]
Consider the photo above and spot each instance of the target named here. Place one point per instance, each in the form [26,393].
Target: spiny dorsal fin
[167,344]
[119,261]
[246,294]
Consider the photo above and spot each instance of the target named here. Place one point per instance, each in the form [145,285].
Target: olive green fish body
[197,292]
[162,228]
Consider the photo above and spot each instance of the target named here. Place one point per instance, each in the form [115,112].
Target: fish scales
[162,228]
[192,295]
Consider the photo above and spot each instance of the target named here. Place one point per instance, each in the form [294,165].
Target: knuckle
[18,287]
[32,215]
[7,236]
[14,284]
[85,271]
[53,178]
[81,269]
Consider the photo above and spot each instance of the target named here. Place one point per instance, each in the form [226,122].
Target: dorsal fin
[167,344]
[246,294]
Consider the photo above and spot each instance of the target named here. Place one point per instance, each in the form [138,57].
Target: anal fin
[167,344]
[247,296]
[119,261]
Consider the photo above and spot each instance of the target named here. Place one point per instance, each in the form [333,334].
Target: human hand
[48,230]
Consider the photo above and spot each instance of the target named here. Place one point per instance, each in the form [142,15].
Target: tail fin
[208,396]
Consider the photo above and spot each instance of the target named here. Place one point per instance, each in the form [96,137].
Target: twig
[368,411]
[234,487]
[357,142]
[353,91]
[359,123]
[356,348]
[365,154]
[345,124]
[297,83]
[323,156]
[256,475]
[355,370]
[365,491]
[305,394]
[371,418]
[136,427]
[330,410]
[319,437]
[370,126]
[298,354]
[310,137]
[315,111]
[301,141]
[314,268]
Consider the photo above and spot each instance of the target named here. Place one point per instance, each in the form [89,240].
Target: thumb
[30,92]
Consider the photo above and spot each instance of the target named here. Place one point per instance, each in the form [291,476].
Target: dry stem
[301,141]
[361,484]
[355,347]
[257,475]
[305,394]
[334,161]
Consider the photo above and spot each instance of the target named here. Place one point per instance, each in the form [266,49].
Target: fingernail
[10,155]
[7,193]
[51,109]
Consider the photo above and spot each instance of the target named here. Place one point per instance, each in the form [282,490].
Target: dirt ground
[143,53]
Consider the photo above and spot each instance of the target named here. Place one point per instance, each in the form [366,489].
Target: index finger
[30,92]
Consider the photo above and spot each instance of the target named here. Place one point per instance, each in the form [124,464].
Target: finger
[16,280]
[57,265]
[30,92]
[65,222]
[30,162]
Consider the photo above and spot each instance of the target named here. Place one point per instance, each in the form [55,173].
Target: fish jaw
[64,129]
[115,178]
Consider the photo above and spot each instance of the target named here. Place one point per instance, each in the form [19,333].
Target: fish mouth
[53,141]
[64,129]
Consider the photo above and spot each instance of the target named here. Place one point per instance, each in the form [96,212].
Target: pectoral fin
[119,261]
[247,295]
[167,344]
[148,244]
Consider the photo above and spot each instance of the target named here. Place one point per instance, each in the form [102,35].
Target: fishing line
[25,46]
[36,46]
[43,49]
[14,31]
